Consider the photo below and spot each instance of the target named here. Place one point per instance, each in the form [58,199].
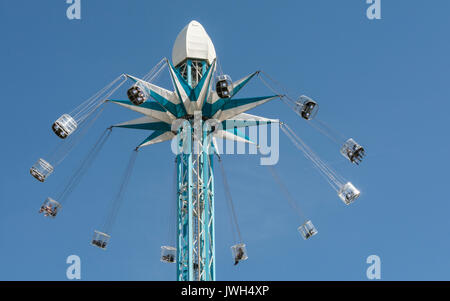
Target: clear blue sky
[383,82]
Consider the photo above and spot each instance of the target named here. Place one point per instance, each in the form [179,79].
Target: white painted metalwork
[193,42]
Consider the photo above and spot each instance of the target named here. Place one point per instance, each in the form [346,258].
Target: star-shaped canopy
[163,107]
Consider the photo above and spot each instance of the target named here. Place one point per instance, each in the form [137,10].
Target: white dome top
[193,42]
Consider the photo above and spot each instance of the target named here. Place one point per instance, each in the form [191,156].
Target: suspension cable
[117,201]
[63,150]
[324,128]
[317,167]
[330,173]
[156,70]
[315,156]
[172,218]
[324,131]
[82,112]
[332,177]
[285,94]
[85,164]
[229,200]
[286,192]
[219,65]
[316,123]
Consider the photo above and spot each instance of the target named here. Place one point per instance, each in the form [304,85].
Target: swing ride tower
[194,115]
[202,108]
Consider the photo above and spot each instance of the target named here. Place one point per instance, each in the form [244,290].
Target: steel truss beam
[195,206]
